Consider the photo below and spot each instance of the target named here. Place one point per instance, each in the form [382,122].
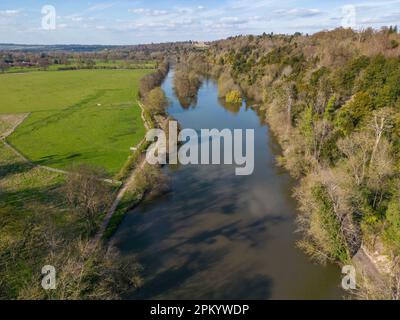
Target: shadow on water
[218,235]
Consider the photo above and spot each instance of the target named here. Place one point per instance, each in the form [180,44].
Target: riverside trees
[333,100]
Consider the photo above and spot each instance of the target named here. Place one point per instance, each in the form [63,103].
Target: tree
[290,89]
[321,218]
[354,112]
[44,62]
[380,171]
[87,194]
[380,123]
[156,101]
[357,150]
[233,96]
[186,85]
[3,66]
[90,64]
[85,274]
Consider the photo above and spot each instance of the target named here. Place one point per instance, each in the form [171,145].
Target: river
[221,236]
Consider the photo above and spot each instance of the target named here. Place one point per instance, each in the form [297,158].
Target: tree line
[333,100]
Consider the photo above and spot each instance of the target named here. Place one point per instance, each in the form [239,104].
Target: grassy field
[84,116]
[29,200]
[99,64]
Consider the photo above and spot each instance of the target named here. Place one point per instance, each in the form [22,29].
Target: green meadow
[81,116]
[98,64]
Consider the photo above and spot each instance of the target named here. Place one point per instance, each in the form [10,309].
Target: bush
[156,101]
[392,232]
[233,96]
[87,195]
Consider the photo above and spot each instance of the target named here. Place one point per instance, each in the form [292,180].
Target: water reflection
[232,107]
[221,236]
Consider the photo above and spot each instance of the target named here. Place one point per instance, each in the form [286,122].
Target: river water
[221,236]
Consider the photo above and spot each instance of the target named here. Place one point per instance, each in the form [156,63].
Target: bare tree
[86,194]
[3,65]
[156,101]
[84,274]
[357,149]
[380,123]
[322,132]
[290,90]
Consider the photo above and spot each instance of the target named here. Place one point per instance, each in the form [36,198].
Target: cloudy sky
[133,22]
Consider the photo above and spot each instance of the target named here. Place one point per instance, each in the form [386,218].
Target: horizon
[123,22]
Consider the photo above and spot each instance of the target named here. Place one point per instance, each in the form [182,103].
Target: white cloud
[101,6]
[9,13]
[148,12]
[386,18]
[77,19]
[299,12]
[232,20]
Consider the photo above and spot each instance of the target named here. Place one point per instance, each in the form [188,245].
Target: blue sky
[138,21]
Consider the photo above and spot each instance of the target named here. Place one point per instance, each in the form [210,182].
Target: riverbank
[138,176]
[217,235]
[372,263]
[332,113]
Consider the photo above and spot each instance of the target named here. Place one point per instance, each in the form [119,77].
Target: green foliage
[389,94]
[317,75]
[393,44]
[330,109]
[335,242]
[354,112]
[375,74]
[306,122]
[276,55]
[392,232]
[345,77]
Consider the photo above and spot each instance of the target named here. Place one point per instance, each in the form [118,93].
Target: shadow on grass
[14,168]
[56,159]
[49,196]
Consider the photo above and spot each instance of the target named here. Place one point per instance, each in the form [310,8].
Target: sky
[124,22]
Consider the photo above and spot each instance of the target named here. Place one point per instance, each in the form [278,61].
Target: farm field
[98,64]
[83,116]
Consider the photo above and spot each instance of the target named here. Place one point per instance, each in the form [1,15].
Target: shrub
[156,101]
[233,96]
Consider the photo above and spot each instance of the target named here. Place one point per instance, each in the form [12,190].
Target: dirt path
[368,267]
[7,133]
[146,125]
[115,205]
[18,119]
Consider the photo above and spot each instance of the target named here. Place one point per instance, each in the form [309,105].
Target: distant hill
[76,48]
[92,48]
